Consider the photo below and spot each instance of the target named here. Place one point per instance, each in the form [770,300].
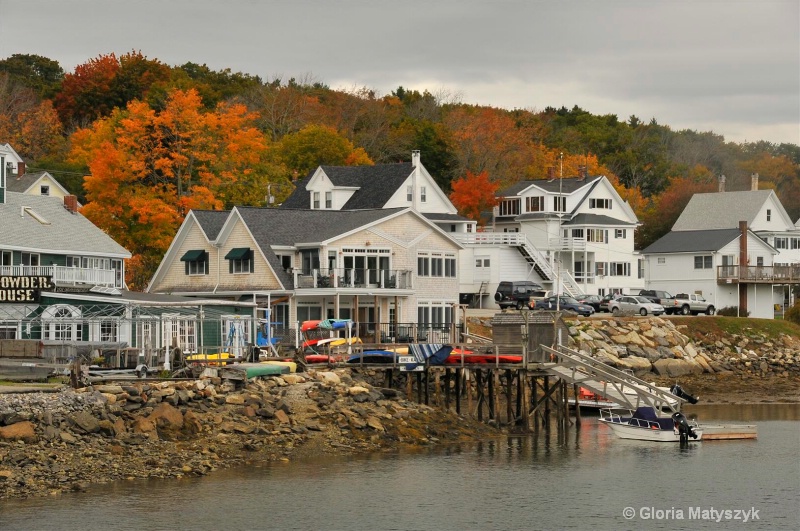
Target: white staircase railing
[618,386]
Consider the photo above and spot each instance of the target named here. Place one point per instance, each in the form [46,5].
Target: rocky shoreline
[54,442]
[64,441]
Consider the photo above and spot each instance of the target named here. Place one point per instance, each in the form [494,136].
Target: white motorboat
[644,424]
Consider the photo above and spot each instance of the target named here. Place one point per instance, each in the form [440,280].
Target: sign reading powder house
[23,288]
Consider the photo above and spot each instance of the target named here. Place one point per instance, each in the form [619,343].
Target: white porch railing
[64,276]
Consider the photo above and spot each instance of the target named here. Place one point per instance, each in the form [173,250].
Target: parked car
[636,304]
[689,303]
[603,306]
[564,303]
[658,296]
[591,300]
[515,294]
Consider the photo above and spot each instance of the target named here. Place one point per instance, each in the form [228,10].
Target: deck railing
[776,274]
[353,278]
[64,276]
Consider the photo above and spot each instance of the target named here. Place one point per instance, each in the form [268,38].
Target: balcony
[392,279]
[566,244]
[65,276]
[779,274]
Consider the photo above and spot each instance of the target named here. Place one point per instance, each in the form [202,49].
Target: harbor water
[584,479]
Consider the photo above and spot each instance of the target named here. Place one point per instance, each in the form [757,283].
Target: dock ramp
[618,386]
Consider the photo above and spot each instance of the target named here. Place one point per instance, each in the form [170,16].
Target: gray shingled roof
[282,226]
[376,184]
[597,219]
[689,241]
[567,185]
[21,184]
[211,221]
[66,232]
[721,210]
[433,216]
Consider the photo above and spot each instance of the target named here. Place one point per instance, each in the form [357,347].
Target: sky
[727,66]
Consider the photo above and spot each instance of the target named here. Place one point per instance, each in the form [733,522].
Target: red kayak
[319,358]
[472,358]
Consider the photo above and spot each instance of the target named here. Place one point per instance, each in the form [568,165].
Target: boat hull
[641,433]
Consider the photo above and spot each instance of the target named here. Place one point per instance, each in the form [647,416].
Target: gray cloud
[728,66]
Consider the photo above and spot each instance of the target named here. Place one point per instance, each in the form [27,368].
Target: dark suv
[656,295]
[515,294]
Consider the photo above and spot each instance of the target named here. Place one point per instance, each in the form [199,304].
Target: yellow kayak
[211,359]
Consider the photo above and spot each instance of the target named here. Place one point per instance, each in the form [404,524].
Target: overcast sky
[727,66]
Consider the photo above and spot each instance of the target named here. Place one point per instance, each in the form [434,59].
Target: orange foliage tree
[149,168]
[474,194]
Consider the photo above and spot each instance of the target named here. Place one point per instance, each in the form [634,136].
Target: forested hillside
[141,143]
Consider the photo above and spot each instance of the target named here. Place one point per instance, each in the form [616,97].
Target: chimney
[71,203]
[753,181]
[551,173]
[582,172]
[20,169]
[721,183]
[415,158]
[415,162]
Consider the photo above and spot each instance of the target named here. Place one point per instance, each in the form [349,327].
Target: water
[583,482]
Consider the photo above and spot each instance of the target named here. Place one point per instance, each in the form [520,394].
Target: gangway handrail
[640,387]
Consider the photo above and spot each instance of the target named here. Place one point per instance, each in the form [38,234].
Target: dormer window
[195,262]
[560,204]
[534,204]
[240,260]
[315,204]
[329,200]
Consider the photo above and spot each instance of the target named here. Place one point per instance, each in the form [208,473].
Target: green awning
[193,256]
[238,253]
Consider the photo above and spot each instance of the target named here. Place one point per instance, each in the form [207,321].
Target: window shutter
[186,264]
[230,266]
[252,261]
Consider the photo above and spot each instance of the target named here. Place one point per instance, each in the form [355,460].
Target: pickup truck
[687,303]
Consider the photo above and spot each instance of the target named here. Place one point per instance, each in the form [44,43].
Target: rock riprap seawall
[54,442]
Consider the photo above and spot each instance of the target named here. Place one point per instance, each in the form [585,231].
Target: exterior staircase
[535,258]
[616,385]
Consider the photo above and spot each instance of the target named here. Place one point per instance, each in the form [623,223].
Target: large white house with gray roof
[388,269]
[705,252]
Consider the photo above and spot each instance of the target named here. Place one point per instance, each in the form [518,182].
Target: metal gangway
[616,385]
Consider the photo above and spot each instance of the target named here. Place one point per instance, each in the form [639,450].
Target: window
[601,269]
[423,265]
[181,332]
[73,261]
[560,204]
[450,267]
[577,234]
[534,204]
[195,262]
[795,243]
[596,235]
[328,200]
[759,261]
[44,190]
[641,268]
[482,262]
[240,260]
[62,323]
[286,261]
[5,258]
[781,243]
[8,332]
[30,259]
[662,260]
[469,227]
[769,214]
[423,196]
[109,331]
[600,203]
[702,262]
[452,228]
[620,234]
[619,269]
[409,193]
[509,207]
[437,266]
[315,203]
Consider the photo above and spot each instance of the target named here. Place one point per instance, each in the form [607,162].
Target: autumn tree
[29,124]
[316,145]
[104,83]
[474,194]
[148,169]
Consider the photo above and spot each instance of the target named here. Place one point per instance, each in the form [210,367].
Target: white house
[765,216]
[574,235]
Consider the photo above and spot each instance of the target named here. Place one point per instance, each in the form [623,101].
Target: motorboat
[647,424]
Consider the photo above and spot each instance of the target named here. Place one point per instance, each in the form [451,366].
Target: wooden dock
[729,432]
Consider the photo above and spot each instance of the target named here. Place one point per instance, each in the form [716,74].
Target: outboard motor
[678,391]
[685,430]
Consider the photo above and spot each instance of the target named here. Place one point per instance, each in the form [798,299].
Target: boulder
[21,431]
